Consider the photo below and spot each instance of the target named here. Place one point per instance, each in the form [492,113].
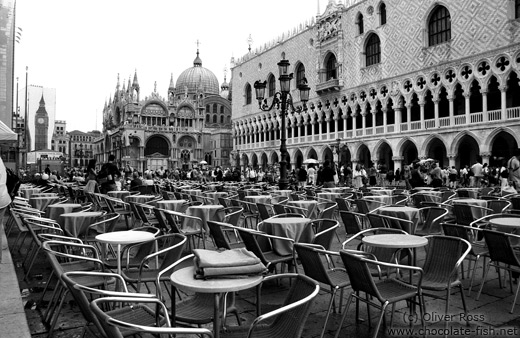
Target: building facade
[391,81]
[60,138]
[179,130]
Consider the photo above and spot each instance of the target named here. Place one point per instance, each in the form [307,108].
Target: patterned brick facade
[454,100]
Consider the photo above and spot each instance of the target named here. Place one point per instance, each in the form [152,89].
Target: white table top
[505,221]
[287,220]
[124,237]
[184,279]
[395,241]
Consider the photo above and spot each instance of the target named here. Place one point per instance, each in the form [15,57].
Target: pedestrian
[107,176]
[328,175]
[5,200]
[302,177]
[513,167]
[311,175]
[358,176]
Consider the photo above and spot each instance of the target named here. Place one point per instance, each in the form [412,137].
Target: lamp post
[282,100]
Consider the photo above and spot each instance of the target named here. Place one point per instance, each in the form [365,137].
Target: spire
[135,84]
[42,102]
[197,62]
[117,86]
[172,84]
[129,88]
[318,7]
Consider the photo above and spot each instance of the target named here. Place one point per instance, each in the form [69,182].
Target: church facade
[191,124]
[391,81]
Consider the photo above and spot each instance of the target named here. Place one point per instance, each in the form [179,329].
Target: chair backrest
[447,195]
[161,219]
[289,320]
[498,206]
[444,254]
[279,208]
[60,252]
[343,205]
[172,247]
[359,273]
[377,221]
[432,219]
[399,199]
[466,213]
[325,232]
[265,210]
[107,223]
[351,221]
[249,237]
[312,260]
[500,248]
[218,235]
[232,215]
[328,209]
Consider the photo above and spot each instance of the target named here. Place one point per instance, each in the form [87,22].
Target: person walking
[107,175]
[328,175]
[513,167]
[5,200]
[358,175]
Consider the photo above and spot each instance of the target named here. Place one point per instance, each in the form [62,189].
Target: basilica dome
[195,77]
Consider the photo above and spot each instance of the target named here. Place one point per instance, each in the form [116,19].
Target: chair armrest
[168,268]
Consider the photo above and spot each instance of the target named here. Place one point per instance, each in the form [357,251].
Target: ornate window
[439,26]
[382,13]
[222,109]
[248,93]
[359,23]
[300,74]
[215,108]
[373,50]
[207,118]
[271,85]
[221,118]
[215,118]
[331,67]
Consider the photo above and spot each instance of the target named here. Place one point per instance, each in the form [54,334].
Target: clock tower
[41,128]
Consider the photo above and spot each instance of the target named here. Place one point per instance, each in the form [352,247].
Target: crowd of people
[419,173]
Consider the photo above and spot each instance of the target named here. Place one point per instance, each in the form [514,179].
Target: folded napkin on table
[226,264]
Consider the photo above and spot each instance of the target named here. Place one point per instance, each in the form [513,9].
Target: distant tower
[41,127]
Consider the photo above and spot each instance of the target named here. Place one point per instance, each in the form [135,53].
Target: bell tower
[41,128]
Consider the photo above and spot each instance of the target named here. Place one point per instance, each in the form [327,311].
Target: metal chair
[218,231]
[312,258]
[352,221]
[289,319]
[444,255]
[177,222]
[325,232]
[431,219]
[359,266]
[502,256]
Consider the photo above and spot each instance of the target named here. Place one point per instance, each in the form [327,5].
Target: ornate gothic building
[391,81]
[191,124]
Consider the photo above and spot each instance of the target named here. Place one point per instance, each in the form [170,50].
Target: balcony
[329,81]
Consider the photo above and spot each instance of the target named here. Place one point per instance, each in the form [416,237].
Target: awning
[6,134]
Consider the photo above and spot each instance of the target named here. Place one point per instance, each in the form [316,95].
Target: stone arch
[298,158]
[157,102]
[467,147]
[157,144]
[264,162]
[488,143]
[407,148]
[435,147]
[363,155]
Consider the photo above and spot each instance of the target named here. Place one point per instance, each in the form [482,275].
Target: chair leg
[331,305]
[381,316]
[473,274]
[464,303]
[483,280]
[514,299]
[345,314]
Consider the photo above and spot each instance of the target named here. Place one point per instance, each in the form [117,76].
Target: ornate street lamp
[282,100]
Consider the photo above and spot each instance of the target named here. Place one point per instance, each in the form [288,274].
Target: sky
[80,47]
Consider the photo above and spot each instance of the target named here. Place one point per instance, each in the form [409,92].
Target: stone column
[409,115]
[452,115]
[436,112]
[467,106]
[398,118]
[503,91]
[345,117]
[398,162]
[451,159]
[485,116]
[485,157]
[364,121]
[354,127]
[385,110]
[373,112]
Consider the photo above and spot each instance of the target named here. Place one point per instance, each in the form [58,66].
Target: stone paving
[490,314]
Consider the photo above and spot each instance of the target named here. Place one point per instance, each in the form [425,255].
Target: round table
[408,213]
[184,279]
[215,195]
[28,192]
[266,199]
[196,192]
[121,194]
[77,223]
[44,194]
[380,198]
[41,203]
[388,192]
[139,198]
[472,192]
[124,237]
[331,196]
[337,190]
[310,205]
[286,193]
[172,205]
[477,213]
[395,241]
[507,222]
[206,213]
[54,211]
[295,228]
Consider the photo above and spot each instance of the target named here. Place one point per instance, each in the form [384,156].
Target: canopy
[311,161]
[6,134]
